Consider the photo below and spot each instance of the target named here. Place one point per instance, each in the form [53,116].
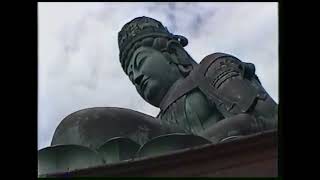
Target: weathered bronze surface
[251,156]
[118,149]
[94,126]
[64,158]
[169,143]
[218,100]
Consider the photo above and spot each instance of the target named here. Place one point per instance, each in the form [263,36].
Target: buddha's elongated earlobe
[185,70]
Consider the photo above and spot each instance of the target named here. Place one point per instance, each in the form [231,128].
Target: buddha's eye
[166,54]
[139,60]
[129,68]
[164,50]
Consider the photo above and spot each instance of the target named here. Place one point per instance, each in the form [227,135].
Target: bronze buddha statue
[217,100]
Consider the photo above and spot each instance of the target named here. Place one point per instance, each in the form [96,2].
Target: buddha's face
[152,73]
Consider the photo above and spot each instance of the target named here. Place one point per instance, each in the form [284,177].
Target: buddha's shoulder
[216,61]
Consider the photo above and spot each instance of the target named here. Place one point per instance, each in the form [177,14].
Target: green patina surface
[219,98]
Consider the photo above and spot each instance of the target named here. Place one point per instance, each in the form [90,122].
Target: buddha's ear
[172,45]
[185,69]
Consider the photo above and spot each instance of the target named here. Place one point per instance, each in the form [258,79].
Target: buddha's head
[152,57]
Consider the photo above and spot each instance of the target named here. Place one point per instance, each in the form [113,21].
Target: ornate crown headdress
[139,28]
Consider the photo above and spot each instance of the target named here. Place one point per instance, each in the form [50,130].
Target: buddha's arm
[241,124]
[241,92]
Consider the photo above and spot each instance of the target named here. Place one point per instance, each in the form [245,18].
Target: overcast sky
[79,58]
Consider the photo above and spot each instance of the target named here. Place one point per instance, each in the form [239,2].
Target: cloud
[78,52]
